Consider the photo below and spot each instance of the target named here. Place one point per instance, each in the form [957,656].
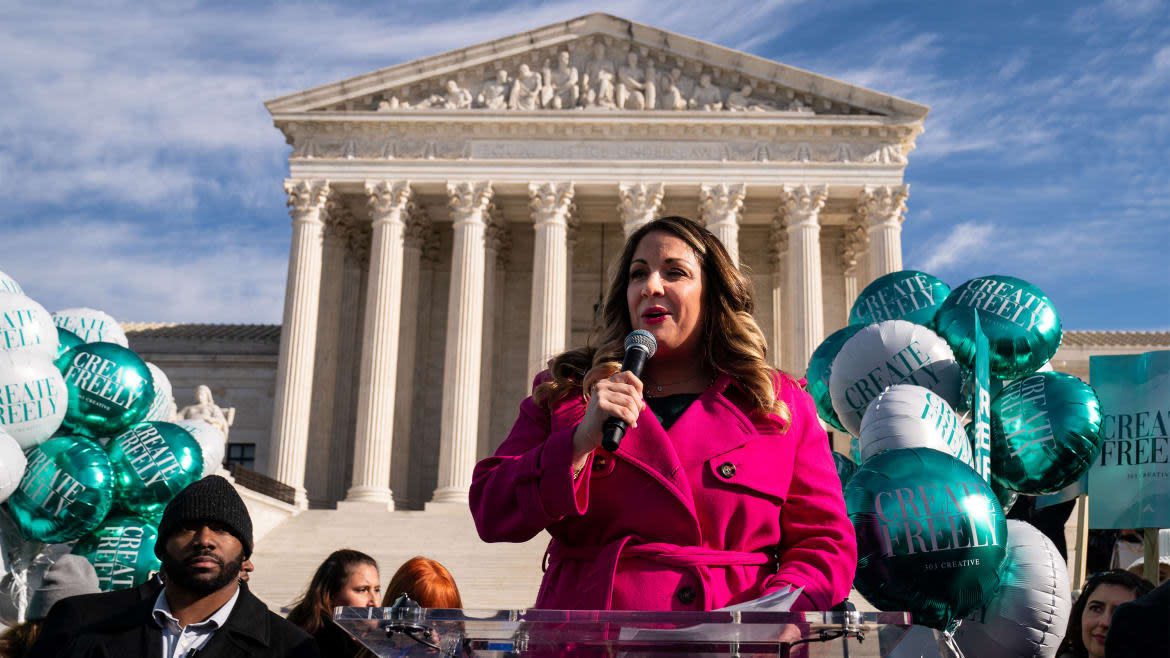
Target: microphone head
[642,339]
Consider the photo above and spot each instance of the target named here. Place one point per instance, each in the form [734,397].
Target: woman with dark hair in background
[723,489]
[1089,619]
[426,582]
[347,578]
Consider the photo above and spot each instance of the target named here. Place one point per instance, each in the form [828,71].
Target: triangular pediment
[596,63]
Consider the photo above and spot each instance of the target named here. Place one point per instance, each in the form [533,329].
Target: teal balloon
[1045,432]
[121,551]
[931,535]
[906,295]
[66,340]
[1021,325]
[1005,496]
[820,366]
[152,463]
[66,491]
[846,467]
[110,389]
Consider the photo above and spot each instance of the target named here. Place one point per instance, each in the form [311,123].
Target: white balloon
[908,416]
[25,326]
[12,463]
[33,397]
[210,440]
[1028,615]
[9,284]
[91,325]
[160,408]
[888,353]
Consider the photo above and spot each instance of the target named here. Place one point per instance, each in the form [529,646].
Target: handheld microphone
[640,346]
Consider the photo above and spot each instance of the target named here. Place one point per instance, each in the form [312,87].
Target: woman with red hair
[426,582]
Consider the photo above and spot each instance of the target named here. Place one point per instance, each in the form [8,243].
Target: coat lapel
[716,424]
[649,448]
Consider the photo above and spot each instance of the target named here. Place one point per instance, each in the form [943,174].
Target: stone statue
[796,106]
[673,97]
[651,91]
[207,411]
[561,88]
[707,96]
[494,95]
[738,101]
[526,90]
[386,105]
[631,85]
[457,98]
[597,83]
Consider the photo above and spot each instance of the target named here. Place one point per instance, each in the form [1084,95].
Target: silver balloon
[12,463]
[210,440]
[91,325]
[1028,616]
[33,397]
[25,326]
[164,402]
[888,353]
[908,416]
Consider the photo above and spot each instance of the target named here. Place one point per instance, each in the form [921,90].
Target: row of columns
[796,292]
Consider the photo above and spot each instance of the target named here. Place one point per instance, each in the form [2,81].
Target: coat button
[599,464]
[727,469]
[686,595]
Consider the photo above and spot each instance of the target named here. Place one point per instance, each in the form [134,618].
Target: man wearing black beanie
[202,610]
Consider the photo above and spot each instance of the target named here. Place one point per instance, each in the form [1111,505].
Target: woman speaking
[723,488]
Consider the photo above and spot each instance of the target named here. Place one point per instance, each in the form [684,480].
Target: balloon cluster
[87,453]
[931,530]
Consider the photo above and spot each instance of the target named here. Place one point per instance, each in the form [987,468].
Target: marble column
[882,208]
[573,228]
[640,204]
[418,232]
[721,210]
[551,205]
[298,336]
[461,365]
[778,257]
[853,243]
[800,206]
[497,251]
[374,437]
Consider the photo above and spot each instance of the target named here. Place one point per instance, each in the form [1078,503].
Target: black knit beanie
[211,499]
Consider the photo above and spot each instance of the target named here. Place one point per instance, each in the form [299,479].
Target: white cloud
[962,241]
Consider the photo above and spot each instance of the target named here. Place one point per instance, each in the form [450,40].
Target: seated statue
[457,98]
[494,95]
[673,97]
[707,96]
[560,85]
[597,84]
[738,101]
[526,90]
[631,86]
[207,411]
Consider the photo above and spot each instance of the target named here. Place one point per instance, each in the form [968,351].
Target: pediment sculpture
[596,76]
[208,411]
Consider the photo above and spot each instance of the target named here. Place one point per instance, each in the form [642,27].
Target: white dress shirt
[178,642]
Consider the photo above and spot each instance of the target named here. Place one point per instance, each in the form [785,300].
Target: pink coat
[692,518]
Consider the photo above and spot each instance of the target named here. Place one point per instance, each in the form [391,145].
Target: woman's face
[1097,614]
[361,588]
[665,293]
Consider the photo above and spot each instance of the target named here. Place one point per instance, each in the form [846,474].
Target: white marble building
[454,218]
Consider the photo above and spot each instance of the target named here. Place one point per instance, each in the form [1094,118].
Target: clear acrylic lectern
[413,631]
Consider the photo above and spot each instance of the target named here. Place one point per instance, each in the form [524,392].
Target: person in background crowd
[347,578]
[1139,628]
[1090,617]
[204,537]
[426,582]
[723,489]
[70,575]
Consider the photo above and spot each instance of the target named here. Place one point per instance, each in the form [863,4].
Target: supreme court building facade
[454,220]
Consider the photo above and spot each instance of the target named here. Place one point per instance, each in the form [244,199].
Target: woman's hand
[619,396]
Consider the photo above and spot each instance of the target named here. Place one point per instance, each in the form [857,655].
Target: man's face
[202,557]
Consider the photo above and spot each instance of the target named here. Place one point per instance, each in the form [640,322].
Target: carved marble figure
[651,90]
[457,98]
[741,101]
[561,88]
[673,97]
[597,83]
[631,85]
[206,410]
[526,90]
[494,94]
[708,97]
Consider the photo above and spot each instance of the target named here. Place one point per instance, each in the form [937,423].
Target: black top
[668,408]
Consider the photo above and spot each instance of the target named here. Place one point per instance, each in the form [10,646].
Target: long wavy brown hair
[731,341]
[313,610]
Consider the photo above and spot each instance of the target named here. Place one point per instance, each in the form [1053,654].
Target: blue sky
[142,174]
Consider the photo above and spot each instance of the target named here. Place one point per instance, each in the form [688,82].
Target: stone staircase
[488,575]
